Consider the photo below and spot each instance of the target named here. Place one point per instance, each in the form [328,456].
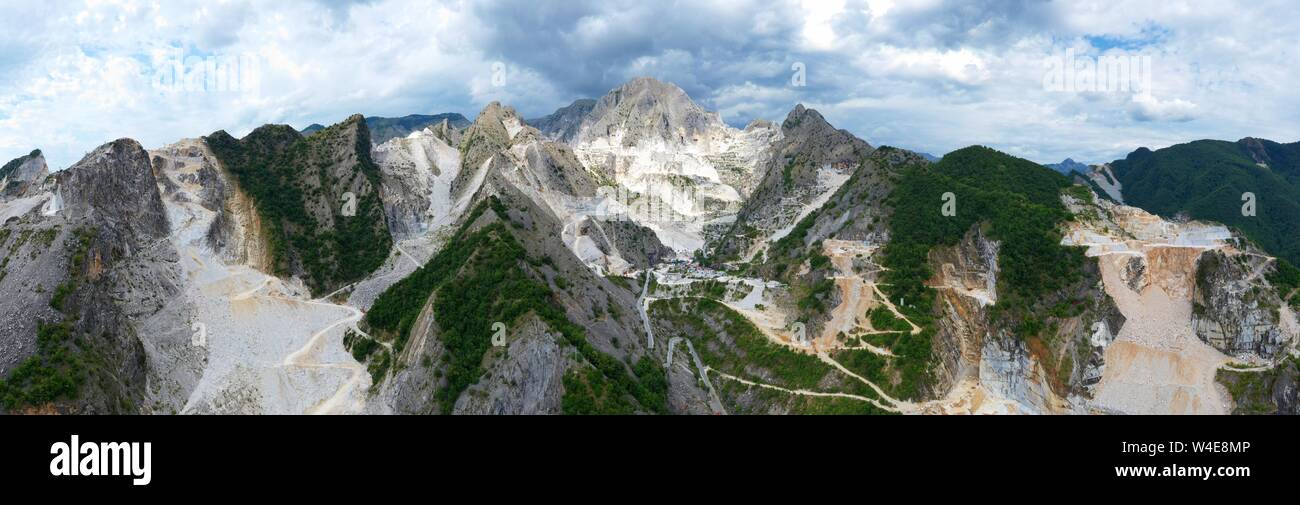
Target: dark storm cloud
[966,23]
[588,47]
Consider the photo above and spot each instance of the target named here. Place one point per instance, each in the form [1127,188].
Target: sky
[927,75]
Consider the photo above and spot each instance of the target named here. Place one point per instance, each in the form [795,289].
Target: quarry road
[900,405]
[644,303]
[804,392]
[408,256]
[308,356]
[715,403]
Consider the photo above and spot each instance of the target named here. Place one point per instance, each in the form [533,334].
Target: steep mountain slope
[997,298]
[79,270]
[1207,179]
[317,196]
[807,166]
[416,174]
[597,225]
[677,168]
[568,334]
[249,343]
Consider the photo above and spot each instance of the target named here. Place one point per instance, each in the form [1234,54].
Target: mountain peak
[495,112]
[1068,165]
[803,117]
[646,108]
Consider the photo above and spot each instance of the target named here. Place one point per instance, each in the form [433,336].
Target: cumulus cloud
[932,75]
[1147,108]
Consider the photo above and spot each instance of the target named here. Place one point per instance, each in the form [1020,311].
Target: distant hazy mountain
[1067,166]
[563,124]
[384,128]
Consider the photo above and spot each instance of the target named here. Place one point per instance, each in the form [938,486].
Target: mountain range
[635,254]
[384,128]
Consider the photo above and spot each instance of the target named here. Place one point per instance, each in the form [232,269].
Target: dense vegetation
[479,278]
[884,320]
[292,182]
[1286,278]
[1016,202]
[588,392]
[1013,201]
[1206,179]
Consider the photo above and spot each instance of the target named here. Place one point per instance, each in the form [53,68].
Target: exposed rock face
[1236,311]
[104,256]
[449,133]
[809,163]
[488,136]
[647,110]
[417,172]
[1161,276]
[23,176]
[981,365]
[114,185]
[963,276]
[564,124]
[626,240]
[542,196]
[525,378]
[675,165]
[188,172]
[1103,178]
[595,225]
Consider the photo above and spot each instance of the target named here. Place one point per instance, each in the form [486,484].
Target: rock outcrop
[83,276]
[1237,311]
[808,164]
[23,175]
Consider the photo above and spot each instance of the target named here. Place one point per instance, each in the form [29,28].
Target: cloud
[932,75]
[1147,108]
